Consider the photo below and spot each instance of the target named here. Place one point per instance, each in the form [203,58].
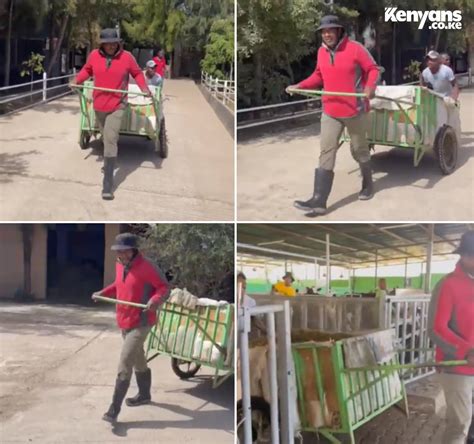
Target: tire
[84,140]
[193,368]
[162,143]
[446,149]
[261,419]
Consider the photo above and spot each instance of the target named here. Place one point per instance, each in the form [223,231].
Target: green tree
[200,256]
[219,57]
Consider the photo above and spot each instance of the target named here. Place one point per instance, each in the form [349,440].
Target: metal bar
[281,253]
[280,119]
[272,365]
[392,367]
[122,91]
[328,263]
[324,93]
[429,259]
[276,105]
[118,301]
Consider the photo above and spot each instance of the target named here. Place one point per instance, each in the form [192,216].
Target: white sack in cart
[183,297]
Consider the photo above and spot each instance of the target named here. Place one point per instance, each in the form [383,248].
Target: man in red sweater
[343,65]
[160,61]
[136,280]
[111,67]
[451,327]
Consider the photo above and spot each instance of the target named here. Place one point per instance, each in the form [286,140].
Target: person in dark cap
[342,65]
[451,328]
[140,281]
[285,286]
[111,66]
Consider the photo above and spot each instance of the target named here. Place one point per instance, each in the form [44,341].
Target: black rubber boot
[144,384]
[323,180]
[108,183]
[120,391]
[367,191]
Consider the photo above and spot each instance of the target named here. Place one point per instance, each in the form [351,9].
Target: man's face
[467,262]
[110,48]
[288,281]
[446,60]
[243,282]
[434,64]
[330,36]
[150,72]
[125,256]
[161,53]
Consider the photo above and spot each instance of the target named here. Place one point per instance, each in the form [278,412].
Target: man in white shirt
[439,77]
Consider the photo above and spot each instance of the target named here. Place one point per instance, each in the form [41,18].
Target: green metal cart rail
[146,120]
[358,394]
[202,336]
[425,126]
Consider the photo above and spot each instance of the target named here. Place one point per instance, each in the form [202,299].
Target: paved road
[278,167]
[44,175]
[57,369]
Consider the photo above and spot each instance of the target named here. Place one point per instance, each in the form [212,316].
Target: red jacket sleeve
[85,72]
[137,74]
[110,291]
[443,316]
[314,81]
[368,65]
[160,285]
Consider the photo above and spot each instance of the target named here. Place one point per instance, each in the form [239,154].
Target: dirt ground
[57,370]
[44,175]
[276,166]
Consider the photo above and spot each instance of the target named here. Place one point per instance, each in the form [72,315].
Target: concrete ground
[57,370]
[276,166]
[44,175]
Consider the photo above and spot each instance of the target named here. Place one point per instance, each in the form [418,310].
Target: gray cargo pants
[109,124]
[331,131]
[458,391]
[133,355]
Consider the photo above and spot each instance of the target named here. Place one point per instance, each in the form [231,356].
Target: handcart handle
[391,367]
[324,93]
[122,91]
[118,301]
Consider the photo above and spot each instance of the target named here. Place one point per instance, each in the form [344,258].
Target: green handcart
[409,117]
[202,336]
[143,116]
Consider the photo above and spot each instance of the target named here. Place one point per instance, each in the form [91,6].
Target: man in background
[439,77]
[160,68]
[151,77]
[284,287]
[451,327]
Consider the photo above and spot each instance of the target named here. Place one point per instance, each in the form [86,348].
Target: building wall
[11,261]
[111,230]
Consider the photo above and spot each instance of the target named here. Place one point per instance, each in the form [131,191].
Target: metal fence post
[225,92]
[45,82]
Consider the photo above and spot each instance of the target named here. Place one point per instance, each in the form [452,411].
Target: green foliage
[200,256]
[33,65]
[412,71]
[220,49]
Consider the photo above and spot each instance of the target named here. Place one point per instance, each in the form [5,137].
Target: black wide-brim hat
[125,241]
[330,21]
[109,35]
[466,246]
[290,275]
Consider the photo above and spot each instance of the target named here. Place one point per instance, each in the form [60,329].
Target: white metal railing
[222,90]
[44,90]
[299,114]
[408,316]
[280,370]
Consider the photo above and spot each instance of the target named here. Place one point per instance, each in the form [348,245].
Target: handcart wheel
[84,140]
[261,420]
[446,149]
[184,369]
[161,144]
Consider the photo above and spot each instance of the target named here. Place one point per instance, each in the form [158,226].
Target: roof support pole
[429,258]
[328,263]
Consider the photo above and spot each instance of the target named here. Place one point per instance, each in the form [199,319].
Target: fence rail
[39,91]
[222,90]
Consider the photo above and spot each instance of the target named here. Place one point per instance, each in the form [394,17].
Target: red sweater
[115,76]
[142,282]
[160,66]
[340,70]
[451,321]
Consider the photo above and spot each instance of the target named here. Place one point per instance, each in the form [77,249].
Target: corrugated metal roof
[352,245]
